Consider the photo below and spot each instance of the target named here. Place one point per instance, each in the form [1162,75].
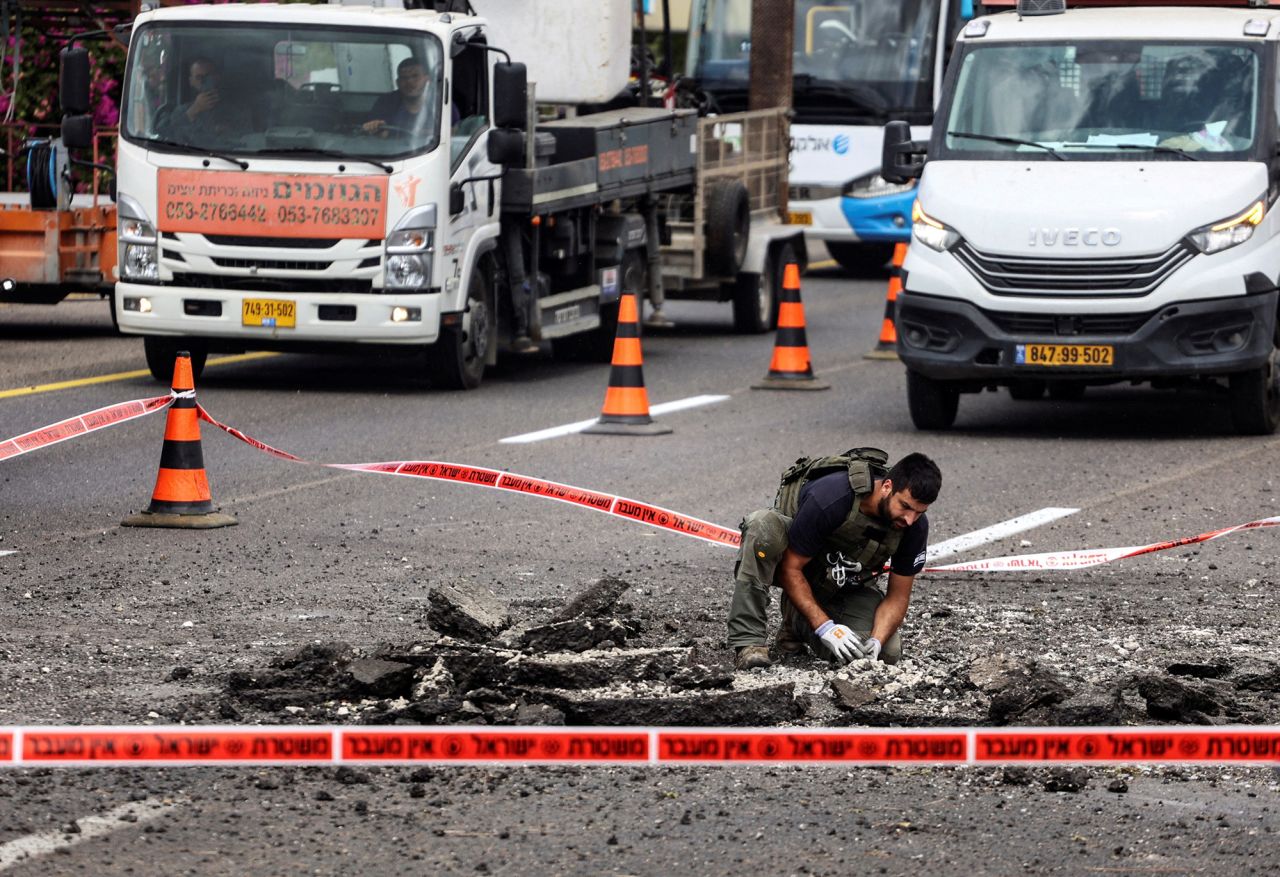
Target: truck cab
[282,180]
[1096,206]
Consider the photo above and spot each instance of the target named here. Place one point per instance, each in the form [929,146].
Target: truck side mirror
[901,159]
[510,95]
[457,199]
[73,80]
[506,146]
[77,131]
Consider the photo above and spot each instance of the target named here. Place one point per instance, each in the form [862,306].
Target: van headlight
[1229,232]
[930,232]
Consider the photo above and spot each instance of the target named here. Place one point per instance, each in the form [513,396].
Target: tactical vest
[862,539]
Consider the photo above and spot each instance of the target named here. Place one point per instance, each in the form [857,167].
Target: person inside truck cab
[213,110]
[1110,91]
[1204,99]
[405,110]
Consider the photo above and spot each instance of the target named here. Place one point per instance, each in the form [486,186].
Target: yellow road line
[123,376]
[825,263]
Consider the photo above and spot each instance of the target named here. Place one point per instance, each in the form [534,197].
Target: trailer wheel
[933,404]
[861,260]
[755,298]
[1255,396]
[456,360]
[161,352]
[728,227]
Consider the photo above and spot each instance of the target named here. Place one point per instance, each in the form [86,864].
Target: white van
[1096,206]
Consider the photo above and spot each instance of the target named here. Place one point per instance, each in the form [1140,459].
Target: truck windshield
[254,89]
[1104,101]
[854,60]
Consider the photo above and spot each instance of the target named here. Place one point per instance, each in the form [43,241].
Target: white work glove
[871,648]
[843,642]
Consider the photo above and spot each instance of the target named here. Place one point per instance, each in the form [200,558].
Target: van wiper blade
[1173,150]
[195,150]
[1011,141]
[321,153]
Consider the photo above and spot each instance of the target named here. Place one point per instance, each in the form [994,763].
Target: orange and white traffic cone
[791,368]
[181,496]
[887,346]
[626,402]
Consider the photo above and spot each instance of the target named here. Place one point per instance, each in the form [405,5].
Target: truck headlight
[930,232]
[1230,232]
[409,252]
[139,259]
[408,272]
[876,186]
[140,262]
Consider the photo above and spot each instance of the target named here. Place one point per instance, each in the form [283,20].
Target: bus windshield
[865,61]
[275,90]
[1114,100]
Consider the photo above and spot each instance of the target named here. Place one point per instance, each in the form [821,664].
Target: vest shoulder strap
[863,465]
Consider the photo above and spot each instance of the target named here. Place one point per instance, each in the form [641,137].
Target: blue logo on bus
[840,144]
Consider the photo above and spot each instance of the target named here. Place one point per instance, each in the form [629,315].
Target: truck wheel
[161,352]
[861,260]
[1026,391]
[755,297]
[932,403]
[1255,396]
[456,360]
[728,227]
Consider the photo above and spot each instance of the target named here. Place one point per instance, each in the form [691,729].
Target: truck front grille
[270,264]
[1073,278]
[271,284]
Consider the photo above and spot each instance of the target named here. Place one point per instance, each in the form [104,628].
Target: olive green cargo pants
[764,541]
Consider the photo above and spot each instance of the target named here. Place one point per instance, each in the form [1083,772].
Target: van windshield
[260,90]
[1107,100]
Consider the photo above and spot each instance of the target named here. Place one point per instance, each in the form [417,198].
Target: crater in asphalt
[597,660]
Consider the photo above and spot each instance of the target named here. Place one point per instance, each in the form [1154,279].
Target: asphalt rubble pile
[598,660]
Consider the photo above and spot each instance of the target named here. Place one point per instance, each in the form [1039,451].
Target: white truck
[1096,205]
[357,176]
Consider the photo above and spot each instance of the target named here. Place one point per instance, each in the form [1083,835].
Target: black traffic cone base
[204,521]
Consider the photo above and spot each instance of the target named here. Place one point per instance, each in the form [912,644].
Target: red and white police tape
[180,746]
[1092,556]
[606,503]
[620,506]
[81,425]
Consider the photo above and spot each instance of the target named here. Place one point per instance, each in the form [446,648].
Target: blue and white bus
[857,65]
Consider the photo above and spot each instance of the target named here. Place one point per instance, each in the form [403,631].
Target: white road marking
[996,532]
[3,553]
[570,428]
[35,845]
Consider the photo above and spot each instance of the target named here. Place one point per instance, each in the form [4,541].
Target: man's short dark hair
[919,474]
[410,62]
